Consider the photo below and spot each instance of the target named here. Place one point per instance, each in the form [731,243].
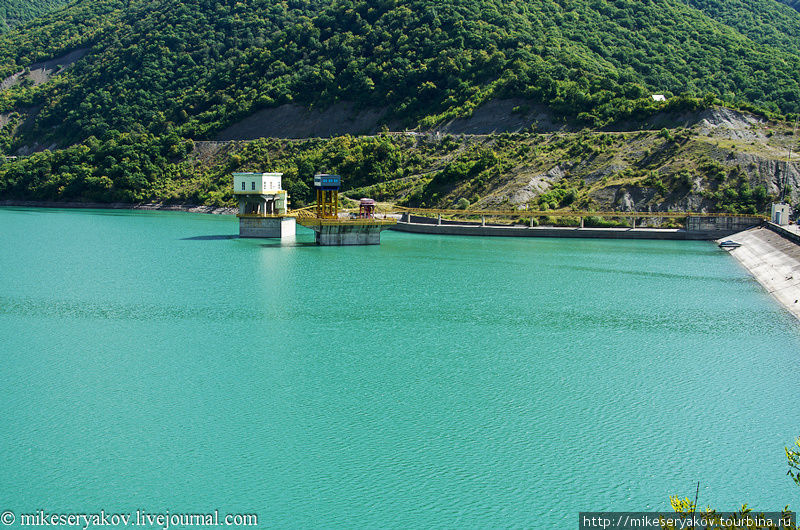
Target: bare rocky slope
[295,121]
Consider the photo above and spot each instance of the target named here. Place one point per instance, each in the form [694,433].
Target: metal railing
[309,213]
[565,213]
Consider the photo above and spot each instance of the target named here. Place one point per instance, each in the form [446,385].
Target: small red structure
[366,209]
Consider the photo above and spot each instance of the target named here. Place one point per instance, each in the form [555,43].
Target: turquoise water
[153,361]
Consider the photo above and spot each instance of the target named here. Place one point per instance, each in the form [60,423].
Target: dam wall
[554,231]
[704,231]
[772,255]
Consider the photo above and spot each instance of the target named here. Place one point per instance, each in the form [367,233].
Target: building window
[253,185]
[242,186]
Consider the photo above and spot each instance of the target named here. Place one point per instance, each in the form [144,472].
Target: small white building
[256,183]
[779,213]
[659,97]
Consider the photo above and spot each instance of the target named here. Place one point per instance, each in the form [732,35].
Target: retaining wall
[544,231]
[791,235]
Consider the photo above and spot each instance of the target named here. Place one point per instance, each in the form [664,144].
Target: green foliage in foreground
[793,457]
[745,517]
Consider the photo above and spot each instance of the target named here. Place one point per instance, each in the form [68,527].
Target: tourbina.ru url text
[164,520]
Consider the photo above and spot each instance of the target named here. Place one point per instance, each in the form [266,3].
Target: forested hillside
[198,65]
[766,22]
[15,12]
[792,3]
[157,72]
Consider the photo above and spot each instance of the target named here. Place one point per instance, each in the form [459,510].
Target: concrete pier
[343,232]
[263,205]
[339,235]
[773,258]
[332,229]
[257,226]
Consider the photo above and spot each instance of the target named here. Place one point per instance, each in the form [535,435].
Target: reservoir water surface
[154,361]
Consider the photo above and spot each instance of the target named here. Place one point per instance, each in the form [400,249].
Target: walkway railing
[564,213]
[309,212]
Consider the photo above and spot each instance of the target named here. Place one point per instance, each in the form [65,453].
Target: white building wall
[256,182]
[271,182]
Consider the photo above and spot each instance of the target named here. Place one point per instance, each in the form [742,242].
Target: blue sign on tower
[327,182]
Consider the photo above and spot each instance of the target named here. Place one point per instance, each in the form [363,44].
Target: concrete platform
[344,231]
[348,235]
[774,261]
[267,226]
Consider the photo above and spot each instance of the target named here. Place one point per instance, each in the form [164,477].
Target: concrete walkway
[794,229]
[774,261]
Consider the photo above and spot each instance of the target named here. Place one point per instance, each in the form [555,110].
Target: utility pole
[785,179]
